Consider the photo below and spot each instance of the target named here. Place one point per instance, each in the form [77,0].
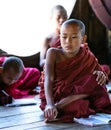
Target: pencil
[5,93]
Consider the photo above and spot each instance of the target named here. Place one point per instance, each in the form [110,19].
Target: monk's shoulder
[52,39]
[54,51]
[55,54]
[47,41]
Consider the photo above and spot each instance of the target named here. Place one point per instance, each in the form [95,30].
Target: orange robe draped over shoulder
[26,83]
[75,76]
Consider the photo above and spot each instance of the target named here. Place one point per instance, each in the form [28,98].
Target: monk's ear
[84,39]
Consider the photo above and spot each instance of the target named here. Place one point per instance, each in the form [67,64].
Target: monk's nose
[68,41]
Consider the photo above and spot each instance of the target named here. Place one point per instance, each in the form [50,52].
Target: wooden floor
[31,118]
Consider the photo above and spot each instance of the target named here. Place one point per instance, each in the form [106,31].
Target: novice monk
[58,16]
[70,89]
[16,80]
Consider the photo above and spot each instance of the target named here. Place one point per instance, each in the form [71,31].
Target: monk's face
[9,77]
[58,17]
[71,38]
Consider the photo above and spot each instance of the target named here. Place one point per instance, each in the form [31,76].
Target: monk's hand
[101,77]
[50,112]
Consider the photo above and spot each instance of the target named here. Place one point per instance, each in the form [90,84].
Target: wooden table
[31,118]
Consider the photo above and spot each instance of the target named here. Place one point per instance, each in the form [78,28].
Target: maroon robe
[25,85]
[56,44]
[105,67]
[75,76]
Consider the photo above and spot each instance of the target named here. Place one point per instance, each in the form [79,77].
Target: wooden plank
[20,115]
[58,126]
[42,125]
[9,111]
[18,120]
[31,118]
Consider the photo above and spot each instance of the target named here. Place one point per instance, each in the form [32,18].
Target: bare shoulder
[51,51]
[54,53]
[47,40]
[52,38]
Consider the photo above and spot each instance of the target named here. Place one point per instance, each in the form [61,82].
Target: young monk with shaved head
[70,89]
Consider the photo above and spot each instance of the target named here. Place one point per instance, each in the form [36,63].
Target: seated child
[58,16]
[70,89]
[16,80]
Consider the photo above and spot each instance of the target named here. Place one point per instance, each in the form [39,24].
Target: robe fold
[75,76]
[56,44]
[25,85]
[105,67]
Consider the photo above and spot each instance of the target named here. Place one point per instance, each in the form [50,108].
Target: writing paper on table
[95,120]
[22,102]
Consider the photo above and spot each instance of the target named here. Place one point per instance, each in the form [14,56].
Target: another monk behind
[58,16]
[70,89]
[16,80]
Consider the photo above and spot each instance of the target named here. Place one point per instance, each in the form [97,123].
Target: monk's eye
[58,17]
[73,37]
[64,17]
[64,37]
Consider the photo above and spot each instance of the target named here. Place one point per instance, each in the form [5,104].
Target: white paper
[22,102]
[94,120]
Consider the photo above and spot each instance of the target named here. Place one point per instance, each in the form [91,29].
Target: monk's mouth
[68,47]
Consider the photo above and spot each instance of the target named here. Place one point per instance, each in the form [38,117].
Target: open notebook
[95,120]
[22,102]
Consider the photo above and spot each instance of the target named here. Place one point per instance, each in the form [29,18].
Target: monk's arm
[50,111]
[44,51]
[62,103]
[49,91]
[49,77]
[102,77]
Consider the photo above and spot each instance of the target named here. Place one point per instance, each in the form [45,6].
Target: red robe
[105,67]
[75,76]
[56,44]
[26,83]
